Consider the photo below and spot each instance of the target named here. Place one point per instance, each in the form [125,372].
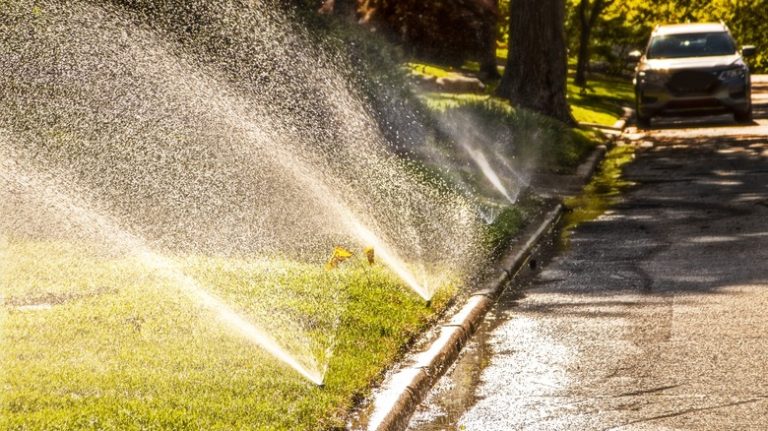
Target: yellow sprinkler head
[370,255]
[340,254]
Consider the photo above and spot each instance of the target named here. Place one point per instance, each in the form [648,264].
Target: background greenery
[626,25]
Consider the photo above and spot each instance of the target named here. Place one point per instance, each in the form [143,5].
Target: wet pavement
[653,317]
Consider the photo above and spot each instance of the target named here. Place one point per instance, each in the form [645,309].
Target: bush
[625,26]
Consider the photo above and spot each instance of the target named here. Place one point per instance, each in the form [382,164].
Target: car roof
[707,27]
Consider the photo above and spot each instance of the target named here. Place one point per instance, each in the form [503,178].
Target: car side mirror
[748,50]
[634,56]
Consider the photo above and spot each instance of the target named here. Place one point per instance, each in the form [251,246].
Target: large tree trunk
[587,21]
[536,72]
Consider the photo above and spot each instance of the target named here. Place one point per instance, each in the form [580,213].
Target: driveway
[654,317]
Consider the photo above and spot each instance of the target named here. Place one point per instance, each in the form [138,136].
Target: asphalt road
[655,317]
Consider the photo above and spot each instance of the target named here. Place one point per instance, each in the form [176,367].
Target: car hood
[715,62]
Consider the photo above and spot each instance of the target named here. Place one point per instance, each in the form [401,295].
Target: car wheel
[643,122]
[743,117]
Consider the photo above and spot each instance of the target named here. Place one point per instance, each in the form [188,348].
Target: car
[692,69]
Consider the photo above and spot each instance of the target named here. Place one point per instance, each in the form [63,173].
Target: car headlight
[649,77]
[734,73]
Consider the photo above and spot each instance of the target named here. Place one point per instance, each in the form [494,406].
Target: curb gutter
[404,390]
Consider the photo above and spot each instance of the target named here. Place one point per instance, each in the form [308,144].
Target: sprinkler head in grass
[339,255]
[299,186]
[370,255]
[429,303]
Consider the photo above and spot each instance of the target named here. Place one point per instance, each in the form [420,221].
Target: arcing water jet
[197,152]
[103,227]
[227,315]
[482,163]
[391,260]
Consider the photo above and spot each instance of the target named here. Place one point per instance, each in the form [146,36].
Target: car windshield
[691,45]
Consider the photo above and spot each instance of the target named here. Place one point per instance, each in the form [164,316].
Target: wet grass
[442,101]
[534,141]
[601,102]
[92,342]
[500,234]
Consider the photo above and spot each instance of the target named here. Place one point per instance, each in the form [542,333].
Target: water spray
[226,314]
[485,167]
[391,260]
[54,197]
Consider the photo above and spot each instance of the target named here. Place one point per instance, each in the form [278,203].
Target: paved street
[655,317]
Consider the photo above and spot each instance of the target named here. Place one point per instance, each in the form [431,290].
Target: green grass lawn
[539,142]
[93,342]
[600,102]
[430,69]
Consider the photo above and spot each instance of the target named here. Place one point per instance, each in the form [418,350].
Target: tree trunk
[586,23]
[582,57]
[536,71]
[488,66]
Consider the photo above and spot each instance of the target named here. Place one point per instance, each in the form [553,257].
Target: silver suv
[692,69]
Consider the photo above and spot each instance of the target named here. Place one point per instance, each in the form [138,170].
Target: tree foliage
[626,25]
[445,31]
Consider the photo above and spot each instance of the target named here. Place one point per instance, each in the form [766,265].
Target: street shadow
[710,121]
[693,224]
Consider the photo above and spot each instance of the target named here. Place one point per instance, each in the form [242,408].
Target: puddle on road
[540,373]
[455,393]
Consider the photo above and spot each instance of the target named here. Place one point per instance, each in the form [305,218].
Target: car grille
[694,104]
[688,82]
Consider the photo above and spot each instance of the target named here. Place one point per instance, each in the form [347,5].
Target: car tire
[743,117]
[643,122]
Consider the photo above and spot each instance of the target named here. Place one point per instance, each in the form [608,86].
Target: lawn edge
[403,390]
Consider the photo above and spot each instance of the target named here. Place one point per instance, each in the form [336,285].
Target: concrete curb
[618,127]
[403,390]
[588,168]
[621,124]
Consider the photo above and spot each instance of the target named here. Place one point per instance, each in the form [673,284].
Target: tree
[587,15]
[445,32]
[488,67]
[536,71]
